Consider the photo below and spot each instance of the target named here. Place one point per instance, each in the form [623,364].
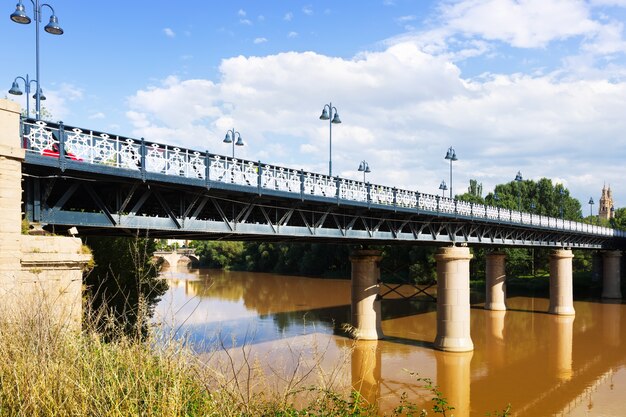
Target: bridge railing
[71,143]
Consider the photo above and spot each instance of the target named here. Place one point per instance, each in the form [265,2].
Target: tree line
[414,263]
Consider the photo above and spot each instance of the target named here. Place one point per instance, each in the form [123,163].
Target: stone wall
[39,275]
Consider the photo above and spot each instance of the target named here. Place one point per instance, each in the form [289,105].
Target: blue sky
[531,85]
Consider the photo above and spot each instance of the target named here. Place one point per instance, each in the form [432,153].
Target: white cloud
[259,40]
[288,16]
[401,108]
[404,19]
[245,21]
[521,23]
[241,13]
[308,10]
[98,115]
[292,34]
[169,33]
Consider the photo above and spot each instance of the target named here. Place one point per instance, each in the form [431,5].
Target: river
[543,365]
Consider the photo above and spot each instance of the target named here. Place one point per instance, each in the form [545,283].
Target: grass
[48,369]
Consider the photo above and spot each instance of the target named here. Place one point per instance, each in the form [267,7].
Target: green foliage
[124,279]
[619,219]
[218,254]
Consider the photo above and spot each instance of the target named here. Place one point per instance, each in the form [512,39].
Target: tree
[123,286]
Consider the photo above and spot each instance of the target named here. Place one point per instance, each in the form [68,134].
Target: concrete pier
[453,302]
[366,315]
[561,283]
[495,294]
[611,274]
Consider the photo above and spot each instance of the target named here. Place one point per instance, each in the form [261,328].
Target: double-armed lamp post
[20,16]
[15,90]
[443,187]
[364,167]
[329,112]
[519,179]
[234,137]
[451,155]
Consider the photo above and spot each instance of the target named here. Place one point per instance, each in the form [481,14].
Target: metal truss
[104,204]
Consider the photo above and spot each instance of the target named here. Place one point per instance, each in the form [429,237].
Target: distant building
[605,211]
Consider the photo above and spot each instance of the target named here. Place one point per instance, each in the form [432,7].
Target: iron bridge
[113,185]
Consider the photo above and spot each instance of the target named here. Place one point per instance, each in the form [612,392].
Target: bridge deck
[77,177]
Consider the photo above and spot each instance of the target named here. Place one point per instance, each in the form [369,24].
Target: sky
[536,86]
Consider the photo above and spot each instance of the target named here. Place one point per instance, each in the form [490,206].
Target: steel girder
[105,204]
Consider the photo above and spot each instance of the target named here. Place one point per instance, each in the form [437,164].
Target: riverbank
[49,370]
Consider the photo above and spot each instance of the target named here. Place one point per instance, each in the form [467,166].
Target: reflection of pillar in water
[611,311]
[453,379]
[366,315]
[561,282]
[366,365]
[495,294]
[611,274]
[561,346]
[453,300]
[494,338]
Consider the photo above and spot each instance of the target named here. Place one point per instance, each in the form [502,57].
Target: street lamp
[20,16]
[443,187]
[233,137]
[591,208]
[518,179]
[329,112]
[562,194]
[451,155]
[15,90]
[496,198]
[364,167]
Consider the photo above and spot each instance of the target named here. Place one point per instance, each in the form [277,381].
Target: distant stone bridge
[177,257]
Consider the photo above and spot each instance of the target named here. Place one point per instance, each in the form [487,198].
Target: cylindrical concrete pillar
[366,317]
[453,300]
[561,283]
[495,294]
[454,380]
[561,349]
[366,369]
[611,280]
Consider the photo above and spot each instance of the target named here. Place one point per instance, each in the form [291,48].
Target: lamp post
[451,155]
[496,198]
[591,208]
[519,179]
[20,16]
[443,187]
[329,112]
[364,167]
[562,197]
[233,137]
[15,90]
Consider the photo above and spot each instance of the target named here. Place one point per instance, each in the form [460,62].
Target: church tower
[606,204]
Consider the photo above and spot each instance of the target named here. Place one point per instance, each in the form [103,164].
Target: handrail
[72,143]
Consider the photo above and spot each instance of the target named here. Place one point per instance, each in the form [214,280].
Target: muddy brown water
[543,365]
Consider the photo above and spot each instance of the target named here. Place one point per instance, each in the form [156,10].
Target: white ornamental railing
[54,140]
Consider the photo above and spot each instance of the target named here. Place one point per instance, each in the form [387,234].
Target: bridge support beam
[495,298]
[611,280]
[366,315]
[453,300]
[561,283]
